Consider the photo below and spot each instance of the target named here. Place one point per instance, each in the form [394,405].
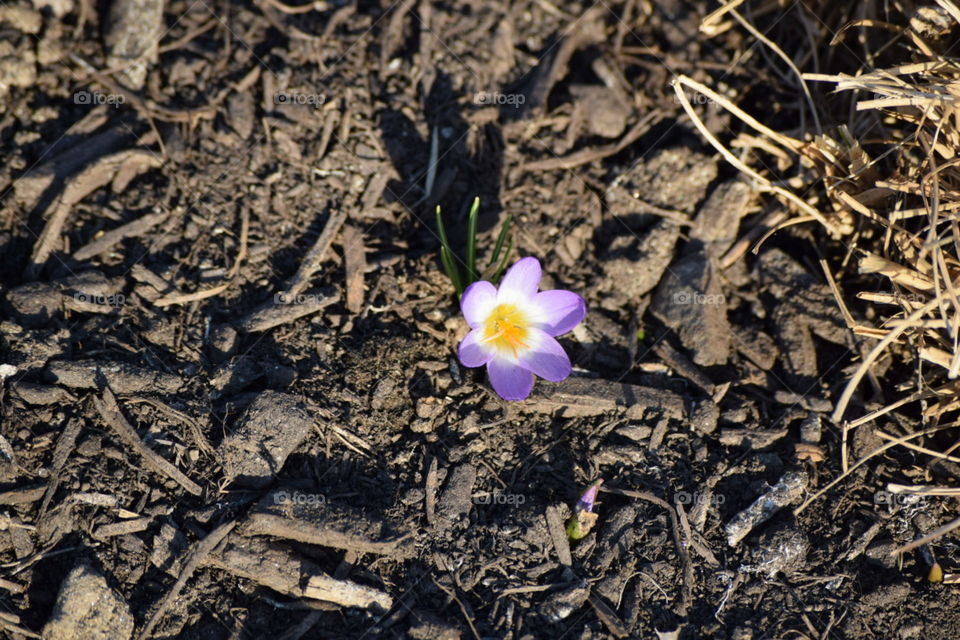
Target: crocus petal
[558,311]
[545,357]
[473,352]
[520,282]
[509,380]
[477,302]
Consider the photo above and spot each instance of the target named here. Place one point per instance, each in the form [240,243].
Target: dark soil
[302,423]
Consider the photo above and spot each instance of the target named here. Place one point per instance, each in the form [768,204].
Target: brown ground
[149,436]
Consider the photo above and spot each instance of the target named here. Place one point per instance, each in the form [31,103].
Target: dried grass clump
[897,210]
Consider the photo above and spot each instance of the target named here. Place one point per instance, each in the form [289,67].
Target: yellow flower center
[506,328]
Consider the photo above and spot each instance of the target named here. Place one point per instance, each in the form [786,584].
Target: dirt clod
[88,609]
[270,430]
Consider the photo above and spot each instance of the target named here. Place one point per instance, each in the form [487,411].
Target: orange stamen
[506,328]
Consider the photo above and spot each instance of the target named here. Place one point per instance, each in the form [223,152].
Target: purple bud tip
[585,503]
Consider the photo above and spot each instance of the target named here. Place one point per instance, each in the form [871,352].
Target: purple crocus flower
[513,329]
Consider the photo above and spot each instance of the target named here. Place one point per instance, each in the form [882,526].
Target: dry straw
[896,212]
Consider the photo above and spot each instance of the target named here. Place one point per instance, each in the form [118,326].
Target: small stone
[563,603]
[911,629]
[17,69]
[428,408]
[413,496]
[635,432]
[132,37]
[810,429]
[428,628]
[422,426]
[606,111]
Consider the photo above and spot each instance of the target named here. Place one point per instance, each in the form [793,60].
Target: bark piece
[355,262]
[99,173]
[41,394]
[636,270]
[690,301]
[457,497]
[121,377]
[584,397]
[279,569]
[36,303]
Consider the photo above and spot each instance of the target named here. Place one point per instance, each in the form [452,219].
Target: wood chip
[558,533]
[273,314]
[132,229]
[25,495]
[120,377]
[317,254]
[355,263]
[278,568]
[121,528]
[345,593]
[608,616]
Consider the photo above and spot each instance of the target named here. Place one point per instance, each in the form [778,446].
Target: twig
[311,262]
[761,182]
[200,551]
[110,412]
[182,298]
[871,358]
[688,575]
[942,531]
[584,156]
[452,594]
